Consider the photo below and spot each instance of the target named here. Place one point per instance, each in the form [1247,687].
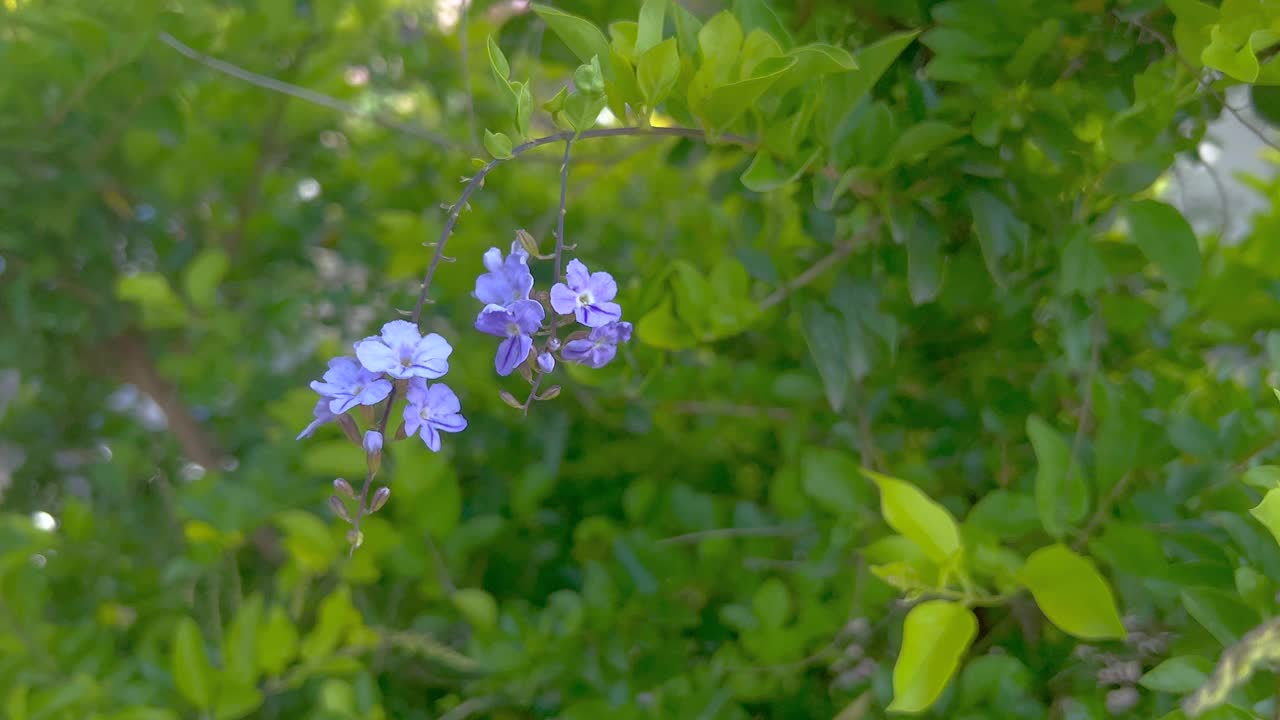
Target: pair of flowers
[399,354]
[510,314]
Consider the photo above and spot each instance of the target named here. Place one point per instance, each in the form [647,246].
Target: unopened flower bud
[380,498]
[355,538]
[527,242]
[511,400]
[339,508]
[373,450]
[553,344]
[342,487]
[348,425]
[552,393]
[546,363]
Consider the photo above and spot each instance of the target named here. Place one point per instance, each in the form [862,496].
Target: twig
[302,93]
[755,532]
[553,335]
[816,270]
[478,179]
[363,508]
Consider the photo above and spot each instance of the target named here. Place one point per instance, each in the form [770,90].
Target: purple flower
[598,348]
[430,410]
[347,385]
[373,442]
[323,415]
[547,362]
[402,352]
[587,295]
[508,280]
[517,323]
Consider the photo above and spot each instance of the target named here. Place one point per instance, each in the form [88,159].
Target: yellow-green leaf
[917,516]
[203,276]
[1268,512]
[657,71]
[192,672]
[277,644]
[935,637]
[1072,593]
[478,607]
[581,37]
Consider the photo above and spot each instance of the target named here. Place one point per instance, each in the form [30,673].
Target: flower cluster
[400,357]
[399,354]
[510,313]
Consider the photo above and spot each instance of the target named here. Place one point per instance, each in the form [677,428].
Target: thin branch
[302,93]
[816,270]
[1200,79]
[754,532]
[477,181]
[553,335]
[363,508]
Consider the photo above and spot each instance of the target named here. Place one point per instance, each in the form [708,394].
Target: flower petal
[528,315]
[577,275]
[563,300]
[602,286]
[442,400]
[494,320]
[431,437]
[511,352]
[417,391]
[398,333]
[412,416]
[374,393]
[600,313]
[492,259]
[452,422]
[375,356]
[576,350]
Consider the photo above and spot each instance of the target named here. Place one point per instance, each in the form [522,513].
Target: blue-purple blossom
[432,409]
[508,280]
[372,442]
[516,323]
[599,347]
[546,362]
[402,352]
[347,384]
[322,414]
[587,295]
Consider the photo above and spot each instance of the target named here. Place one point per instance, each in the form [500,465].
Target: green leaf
[524,108]
[478,607]
[917,516]
[661,329]
[830,478]
[1004,513]
[498,144]
[277,643]
[1193,21]
[719,40]
[1061,498]
[758,47]
[236,701]
[657,71]
[1178,675]
[829,348]
[1118,439]
[204,275]
[935,636]
[1263,477]
[1072,593]
[727,102]
[1000,233]
[308,540]
[1223,614]
[498,61]
[872,61]
[1082,269]
[160,305]
[757,15]
[335,618]
[581,37]
[1167,240]
[1267,512]
[649,30]
[772,604]
[764,174]
[923,139]
[192,672]
[238,659]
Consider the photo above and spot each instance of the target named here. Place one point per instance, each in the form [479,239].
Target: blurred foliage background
[956,264]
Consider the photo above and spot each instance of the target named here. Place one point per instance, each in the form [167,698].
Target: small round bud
[552,393]
[380,498]
[546,362]
[511,400]
[355,538]
[373,450]
[553,344]
[342,487]
[339,508]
